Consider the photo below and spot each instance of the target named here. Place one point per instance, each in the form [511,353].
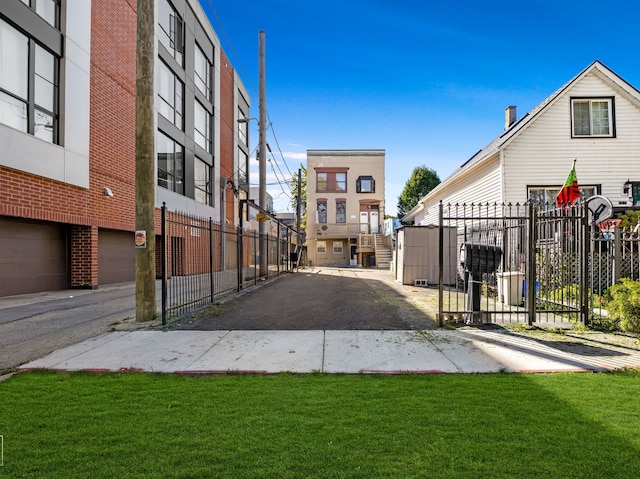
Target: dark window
[322,211]
[170,164]
[341,212]
[365,184]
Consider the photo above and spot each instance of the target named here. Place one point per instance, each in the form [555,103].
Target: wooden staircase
[383,253]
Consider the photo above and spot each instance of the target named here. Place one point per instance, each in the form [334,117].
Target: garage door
[116,257]
[33,257]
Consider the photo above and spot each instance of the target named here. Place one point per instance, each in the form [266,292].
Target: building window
[49,10]
[202,182]
[365,184]
[592,117]
[545,197]
[171,94]
[321,247]
[341,211]
[170,163]
[337,247]
[322,211]
[243,128]
[171,32]
[202,127]
[202,70]
[331,181]
[24,62]
[243,169]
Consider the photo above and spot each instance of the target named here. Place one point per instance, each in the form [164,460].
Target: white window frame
[591,101]
[545,196]
[321,247]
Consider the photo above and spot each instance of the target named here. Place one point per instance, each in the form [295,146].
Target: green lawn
[288,426]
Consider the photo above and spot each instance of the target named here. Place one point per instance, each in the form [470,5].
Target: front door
[373,222]
[364,222]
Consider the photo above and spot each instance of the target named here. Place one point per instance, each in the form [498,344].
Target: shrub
[624,304]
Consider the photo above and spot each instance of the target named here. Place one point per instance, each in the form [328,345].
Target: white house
[593,119]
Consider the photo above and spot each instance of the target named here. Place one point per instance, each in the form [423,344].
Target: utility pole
[299,211]
[262,150]
[145,241]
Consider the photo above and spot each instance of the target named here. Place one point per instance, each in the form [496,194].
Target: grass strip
[135,425]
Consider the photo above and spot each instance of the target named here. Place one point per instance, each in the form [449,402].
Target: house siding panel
[543,153]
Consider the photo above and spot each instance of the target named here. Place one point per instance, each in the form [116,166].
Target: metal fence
[200,259]
[526,264]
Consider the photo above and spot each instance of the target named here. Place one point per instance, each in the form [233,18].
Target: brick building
[67,134]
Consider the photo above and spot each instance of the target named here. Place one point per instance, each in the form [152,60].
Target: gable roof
[501,141]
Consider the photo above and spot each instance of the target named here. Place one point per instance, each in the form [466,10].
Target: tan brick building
[67,132]
[345,208]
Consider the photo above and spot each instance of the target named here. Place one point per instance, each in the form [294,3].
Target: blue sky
[427,81]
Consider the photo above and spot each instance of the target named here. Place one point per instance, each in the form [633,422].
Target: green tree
[421,182]
[302,194]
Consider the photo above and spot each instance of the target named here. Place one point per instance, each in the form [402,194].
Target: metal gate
[516,263]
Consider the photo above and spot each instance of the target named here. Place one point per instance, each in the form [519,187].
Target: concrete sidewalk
[351,352]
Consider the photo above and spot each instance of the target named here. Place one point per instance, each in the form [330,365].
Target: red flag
[570,192]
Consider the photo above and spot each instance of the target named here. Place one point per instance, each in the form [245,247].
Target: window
[365,184]
[170,163]
[545,197]
[321,247]
[202,182]
[322,211]
[243,169]
[47,9]
[243,128]
[202,70]
[202,127]
[341,211]
[337,247]
[331,181]
[171,94]
[24,62]
[170,33]
[592,117]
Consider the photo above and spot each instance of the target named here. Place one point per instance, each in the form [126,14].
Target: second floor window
[365,184]
[331,181]
[592,117]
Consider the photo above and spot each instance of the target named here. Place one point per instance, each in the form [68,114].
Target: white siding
[543,153]
[482,185]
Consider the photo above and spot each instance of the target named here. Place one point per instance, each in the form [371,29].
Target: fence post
[616,272]
[441,267]
[163,261]
[586,248]
[211,275]
[531,267]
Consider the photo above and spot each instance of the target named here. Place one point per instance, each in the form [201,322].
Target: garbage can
[510,287]
[477,260]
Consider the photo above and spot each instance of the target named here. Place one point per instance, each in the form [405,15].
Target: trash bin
[510,287]
[477,260]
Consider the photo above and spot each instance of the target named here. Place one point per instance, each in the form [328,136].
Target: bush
[624,304]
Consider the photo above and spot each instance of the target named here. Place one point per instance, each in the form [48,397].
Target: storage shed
[418,253]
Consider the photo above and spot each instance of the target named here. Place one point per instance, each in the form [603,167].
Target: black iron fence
[200,259]
[526,264]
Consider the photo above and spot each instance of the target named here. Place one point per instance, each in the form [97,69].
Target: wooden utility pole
[262,150]
[145,165]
